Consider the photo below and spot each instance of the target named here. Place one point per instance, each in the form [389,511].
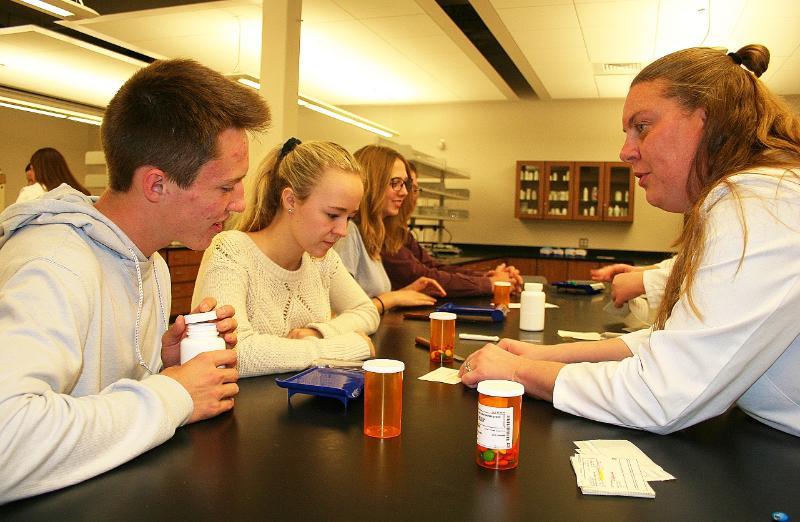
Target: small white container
[202,337]
[531,312]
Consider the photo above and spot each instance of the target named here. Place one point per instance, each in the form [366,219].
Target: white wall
[486,139]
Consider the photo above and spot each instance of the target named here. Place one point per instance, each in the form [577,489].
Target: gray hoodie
[82,312]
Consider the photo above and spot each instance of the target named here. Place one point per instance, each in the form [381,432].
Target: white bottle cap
[443,316]
[502,283]
[201,317]
[384,366]
[497,388]
[533,287]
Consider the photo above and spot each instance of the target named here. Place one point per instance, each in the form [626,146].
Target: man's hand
[212,389]
[171,340]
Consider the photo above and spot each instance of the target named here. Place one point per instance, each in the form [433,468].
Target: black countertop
[307,459]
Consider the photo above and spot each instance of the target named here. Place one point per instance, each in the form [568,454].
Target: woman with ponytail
[294,299]
[707,139]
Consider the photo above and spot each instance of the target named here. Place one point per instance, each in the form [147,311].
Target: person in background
[707,139]
[377,225]
[51,170]
[296,300]
[89,373]
[410,261]
[32,189]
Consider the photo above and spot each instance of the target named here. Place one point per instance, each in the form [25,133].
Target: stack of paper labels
[615,467]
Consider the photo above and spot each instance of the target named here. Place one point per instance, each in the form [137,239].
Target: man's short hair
[169,115]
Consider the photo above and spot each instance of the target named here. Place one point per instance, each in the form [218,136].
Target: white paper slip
[624,449]
[477,337]
[514,305]
[584,336]
[550,305]
[442,374]
[597,475]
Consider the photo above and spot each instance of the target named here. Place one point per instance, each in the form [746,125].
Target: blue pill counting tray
[336,383]
[580,287]
[486,313]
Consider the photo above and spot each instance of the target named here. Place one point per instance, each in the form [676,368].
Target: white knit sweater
[271,301]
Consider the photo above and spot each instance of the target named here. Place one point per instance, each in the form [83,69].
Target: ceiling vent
[611,69]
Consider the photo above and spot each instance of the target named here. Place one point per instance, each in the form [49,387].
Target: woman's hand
[406,298]
[489,362]
[426,285]
[369,343]
[626,286]
[607,273]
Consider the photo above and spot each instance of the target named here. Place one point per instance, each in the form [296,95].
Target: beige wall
[486,139]
[22,133]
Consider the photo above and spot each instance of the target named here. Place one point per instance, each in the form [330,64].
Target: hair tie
[289,146]
[735,57]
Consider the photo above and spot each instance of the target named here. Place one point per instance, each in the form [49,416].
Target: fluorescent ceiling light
[347,117]
[65,9]
[246,79]
[49,110]
[324,108]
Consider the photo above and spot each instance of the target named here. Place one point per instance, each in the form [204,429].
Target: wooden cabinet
[555,269]
[528,204]
[618,199]
[582,191]
[183,266]
[557,200]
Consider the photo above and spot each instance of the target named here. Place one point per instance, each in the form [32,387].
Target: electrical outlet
[583,242]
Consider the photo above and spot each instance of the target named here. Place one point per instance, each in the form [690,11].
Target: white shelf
[438,189]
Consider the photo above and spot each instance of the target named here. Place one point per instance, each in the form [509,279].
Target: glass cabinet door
[589,192]
[620,183]
[557,194]
[530,175]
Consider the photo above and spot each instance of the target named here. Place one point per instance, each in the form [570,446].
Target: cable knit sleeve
[354,310]
[228,273]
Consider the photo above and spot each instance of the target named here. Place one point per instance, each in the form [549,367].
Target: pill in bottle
[202,337]
[499,409]
[531,309]
[383,397]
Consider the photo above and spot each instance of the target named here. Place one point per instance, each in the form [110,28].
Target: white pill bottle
[201,336]
[531,310]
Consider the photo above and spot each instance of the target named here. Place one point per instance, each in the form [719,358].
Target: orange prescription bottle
[443,336]
[499,408]
[383,397]
[501,293]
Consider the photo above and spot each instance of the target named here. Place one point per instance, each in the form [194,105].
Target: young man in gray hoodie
[89,373]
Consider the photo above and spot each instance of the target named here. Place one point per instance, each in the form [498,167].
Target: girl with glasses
[378,225]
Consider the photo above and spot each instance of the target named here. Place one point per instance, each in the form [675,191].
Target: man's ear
[154,183]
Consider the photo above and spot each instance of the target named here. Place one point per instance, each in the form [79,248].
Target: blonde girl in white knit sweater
[294,299]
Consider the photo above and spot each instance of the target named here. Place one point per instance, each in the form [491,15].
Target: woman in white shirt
[295,301]
[705,138]
[33,189]
[47,170]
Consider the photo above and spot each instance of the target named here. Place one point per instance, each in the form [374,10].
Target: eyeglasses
[397,183]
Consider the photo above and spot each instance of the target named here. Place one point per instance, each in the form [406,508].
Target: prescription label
[495,427]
